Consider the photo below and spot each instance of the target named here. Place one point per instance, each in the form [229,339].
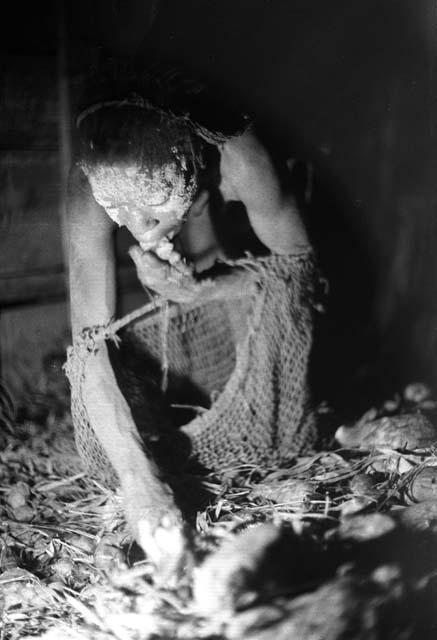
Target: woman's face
[152,205]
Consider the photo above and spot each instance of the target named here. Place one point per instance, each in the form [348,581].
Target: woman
[164,177]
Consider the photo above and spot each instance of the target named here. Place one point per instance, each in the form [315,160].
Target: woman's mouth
[164,249]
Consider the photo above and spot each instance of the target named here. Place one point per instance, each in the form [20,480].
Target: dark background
[349,88]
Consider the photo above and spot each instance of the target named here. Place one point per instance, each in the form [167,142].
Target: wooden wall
[33,319]
[33,309]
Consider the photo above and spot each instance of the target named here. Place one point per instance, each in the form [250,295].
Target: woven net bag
[237,362]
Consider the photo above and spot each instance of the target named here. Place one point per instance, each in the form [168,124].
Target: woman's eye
[152,223]
[146,221]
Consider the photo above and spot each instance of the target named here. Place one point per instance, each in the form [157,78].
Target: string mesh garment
[242,357]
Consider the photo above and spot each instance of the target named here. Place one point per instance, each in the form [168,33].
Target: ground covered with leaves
[341,545]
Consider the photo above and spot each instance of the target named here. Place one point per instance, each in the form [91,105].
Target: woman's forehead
[131,185]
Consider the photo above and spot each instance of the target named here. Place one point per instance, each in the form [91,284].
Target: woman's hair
[152,119]
[124,133]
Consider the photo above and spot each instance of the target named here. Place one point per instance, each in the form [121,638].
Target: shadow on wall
[344,368]
[346,339]
[378,332]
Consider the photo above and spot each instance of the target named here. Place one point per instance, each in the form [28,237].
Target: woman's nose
[139,223]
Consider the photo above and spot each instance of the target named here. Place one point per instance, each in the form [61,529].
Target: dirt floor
[342,545]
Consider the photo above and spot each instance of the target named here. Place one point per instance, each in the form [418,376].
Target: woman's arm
[92,302]
[248,175]
[91,256]
[148,502]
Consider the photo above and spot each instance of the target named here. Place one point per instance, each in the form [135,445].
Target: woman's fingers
[172,281]
[151,265]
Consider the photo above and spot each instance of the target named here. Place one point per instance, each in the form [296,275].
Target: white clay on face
[163,195]
[164,187]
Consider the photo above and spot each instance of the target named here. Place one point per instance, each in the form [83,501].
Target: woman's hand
[173,281]
[248,175]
